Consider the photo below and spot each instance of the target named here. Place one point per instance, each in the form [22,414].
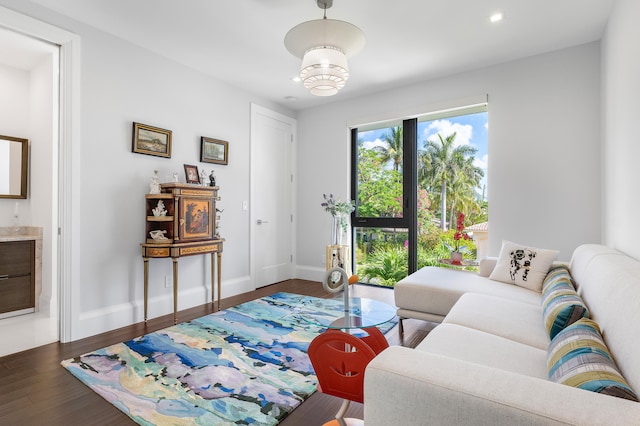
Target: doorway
[61,178]
[272,189]
[29,68]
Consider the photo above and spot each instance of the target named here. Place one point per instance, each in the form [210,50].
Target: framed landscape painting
[214,151]
[151,140]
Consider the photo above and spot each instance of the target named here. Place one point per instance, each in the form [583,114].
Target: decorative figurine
[217,231]
[158,234]
[154,186]
[203,177]
[159,210]
[212,178]
[175,177]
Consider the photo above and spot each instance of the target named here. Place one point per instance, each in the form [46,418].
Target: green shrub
[385,262]
[385,266]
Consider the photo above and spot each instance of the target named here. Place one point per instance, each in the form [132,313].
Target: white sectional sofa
[487,362]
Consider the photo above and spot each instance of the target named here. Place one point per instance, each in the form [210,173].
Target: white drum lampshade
[324,46]
[324,71]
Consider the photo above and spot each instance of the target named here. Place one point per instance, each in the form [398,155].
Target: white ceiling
[241,41]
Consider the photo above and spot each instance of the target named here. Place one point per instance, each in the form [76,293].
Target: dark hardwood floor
[36,390]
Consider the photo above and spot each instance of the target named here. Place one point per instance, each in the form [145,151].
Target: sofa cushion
[511,319]
[523,266]
[609,283]
[486,349]
[561,305]
[433,291]
[486,266]
[578,357]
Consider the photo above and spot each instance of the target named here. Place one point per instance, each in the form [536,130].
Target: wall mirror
[14,167]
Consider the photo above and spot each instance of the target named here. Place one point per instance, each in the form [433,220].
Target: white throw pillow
[523,266]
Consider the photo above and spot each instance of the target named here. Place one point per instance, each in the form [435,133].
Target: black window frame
[409,219]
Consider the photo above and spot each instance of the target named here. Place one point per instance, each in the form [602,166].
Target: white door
[271,215]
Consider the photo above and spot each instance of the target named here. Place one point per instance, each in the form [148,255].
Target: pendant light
[324,46]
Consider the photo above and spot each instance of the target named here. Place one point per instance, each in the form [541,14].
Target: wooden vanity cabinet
[17,276]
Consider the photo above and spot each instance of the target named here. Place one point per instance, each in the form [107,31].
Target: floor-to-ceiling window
[411,180]
[382,187]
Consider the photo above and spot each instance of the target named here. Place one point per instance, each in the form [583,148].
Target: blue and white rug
[246,365]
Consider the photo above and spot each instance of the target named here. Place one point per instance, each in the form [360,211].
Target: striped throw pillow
[561,305]
[578,357]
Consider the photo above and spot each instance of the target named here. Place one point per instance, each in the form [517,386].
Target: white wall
[621,89]
[544,149]
[14,102]
[122,83]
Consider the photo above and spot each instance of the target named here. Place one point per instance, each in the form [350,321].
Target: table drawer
[17,293]
[17,258]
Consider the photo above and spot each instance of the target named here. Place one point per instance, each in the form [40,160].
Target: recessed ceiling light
[296,79]
[496,17]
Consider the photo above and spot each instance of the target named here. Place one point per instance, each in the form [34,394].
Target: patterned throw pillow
[578,357]
[561,305]
[523,266]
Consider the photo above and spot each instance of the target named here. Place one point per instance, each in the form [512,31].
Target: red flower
[460,230]
[460,222]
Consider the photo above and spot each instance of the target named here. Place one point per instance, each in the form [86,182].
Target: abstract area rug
[246,365]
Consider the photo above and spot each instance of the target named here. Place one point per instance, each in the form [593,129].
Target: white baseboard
[311,273]
[112,317]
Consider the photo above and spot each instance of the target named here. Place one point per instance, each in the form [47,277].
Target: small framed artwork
[191,173]
[214,151]
[151,140]
[196,218]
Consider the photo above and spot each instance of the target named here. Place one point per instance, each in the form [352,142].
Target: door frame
[69,128]
[292,122]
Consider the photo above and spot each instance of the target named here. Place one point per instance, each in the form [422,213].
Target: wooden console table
[175,251]
[181,221]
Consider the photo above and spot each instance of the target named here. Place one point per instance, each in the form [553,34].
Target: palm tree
[441,163]
[462,188]
[393,151]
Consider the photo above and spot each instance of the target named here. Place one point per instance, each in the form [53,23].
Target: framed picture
[214,151]
[151,140]
[191,173]
[197,218]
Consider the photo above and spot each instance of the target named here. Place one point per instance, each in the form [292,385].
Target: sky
[470,129]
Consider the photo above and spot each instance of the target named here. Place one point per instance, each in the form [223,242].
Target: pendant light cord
[324,4]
